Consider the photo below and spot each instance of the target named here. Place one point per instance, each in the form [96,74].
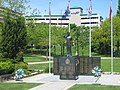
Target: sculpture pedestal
[68,68]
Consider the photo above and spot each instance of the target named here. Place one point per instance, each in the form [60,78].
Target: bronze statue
[68,44]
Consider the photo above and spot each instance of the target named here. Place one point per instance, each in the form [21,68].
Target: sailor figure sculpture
[68,44]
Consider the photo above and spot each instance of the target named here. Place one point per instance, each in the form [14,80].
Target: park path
[54,86]
[30,63]
[53,82]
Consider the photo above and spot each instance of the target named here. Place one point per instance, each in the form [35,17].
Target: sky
[59,6]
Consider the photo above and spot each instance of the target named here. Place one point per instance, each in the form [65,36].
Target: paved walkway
[52,82]
[30,63]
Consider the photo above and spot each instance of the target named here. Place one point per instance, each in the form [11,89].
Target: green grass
[38,66]
[93,87]
[17,86]
[34,58]
[43,67]
[106,64]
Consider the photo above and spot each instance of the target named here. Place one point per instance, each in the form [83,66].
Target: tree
[116,29]
[13,29]
[13,37]
[101,38]
[118,11]
[38,34]
[15,5]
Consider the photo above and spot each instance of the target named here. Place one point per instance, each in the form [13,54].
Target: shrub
[6,68]
[22,65]
[26,72]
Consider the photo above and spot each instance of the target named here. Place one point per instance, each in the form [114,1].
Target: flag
[90,9]
[110,15]
[67,12]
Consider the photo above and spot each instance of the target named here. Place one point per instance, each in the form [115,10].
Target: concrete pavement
[30,63]
[52,82]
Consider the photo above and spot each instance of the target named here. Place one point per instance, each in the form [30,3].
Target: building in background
[76,17]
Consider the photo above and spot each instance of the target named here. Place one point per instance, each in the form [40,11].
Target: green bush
[6,68]
[26,72]
[6,60]
[22,65]
[19,57]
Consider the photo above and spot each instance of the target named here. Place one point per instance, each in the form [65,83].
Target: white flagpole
[69,17]
[111,41]
[90,39]
[49,37]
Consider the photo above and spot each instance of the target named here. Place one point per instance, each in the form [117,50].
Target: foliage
[116,30]
[80,35]
[6,67]
[18,6]
[101,38]
[21,65]
[118,11]
[37,34]
[13,36]
[19,57]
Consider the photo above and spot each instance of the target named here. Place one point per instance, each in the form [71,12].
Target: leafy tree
[116,30]
[38,34]
[101,38]
[15,5]
[58,37]
[13,37]
[13,29]
[118,11]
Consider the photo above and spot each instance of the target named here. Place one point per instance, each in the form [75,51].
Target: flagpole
[49,37]
[90,39]
[111,39]
[69,17]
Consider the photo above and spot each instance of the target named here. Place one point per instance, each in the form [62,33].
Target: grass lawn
[94,87]
[105,65]
[43,67]
[38,66]
[34,58]
[17,86]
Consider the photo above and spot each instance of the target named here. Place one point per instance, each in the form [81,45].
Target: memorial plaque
[90,66]
[56,65]
[81,65]
[71,67]
[68,68]
[85,65]
[96,62]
